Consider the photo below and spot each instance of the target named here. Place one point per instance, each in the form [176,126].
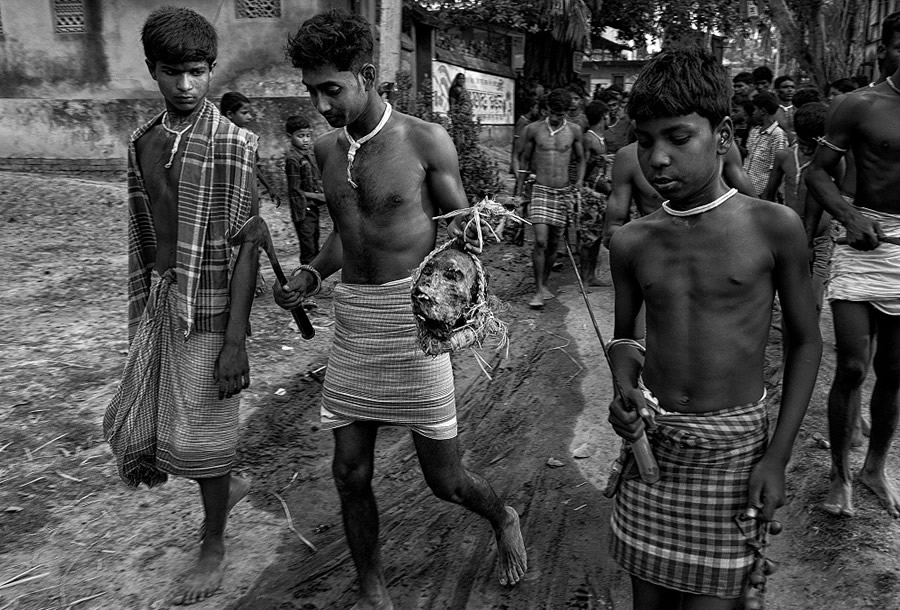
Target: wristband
[315,274]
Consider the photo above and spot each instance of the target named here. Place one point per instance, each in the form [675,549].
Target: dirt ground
[73,536]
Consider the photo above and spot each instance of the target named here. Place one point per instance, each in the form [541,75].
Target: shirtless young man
[191,172]
[629,183]
[548,147]
[864,290]
[385,175]
[708,266]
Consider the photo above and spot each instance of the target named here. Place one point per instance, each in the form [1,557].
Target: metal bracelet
[315,274]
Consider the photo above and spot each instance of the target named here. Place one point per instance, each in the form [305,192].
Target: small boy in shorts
[706,266]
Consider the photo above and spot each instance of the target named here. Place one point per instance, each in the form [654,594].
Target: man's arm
[733,171]
[620,199]
[578,152]
[775,176]
[232,369]
[840,127]
[803,344]
[527,144]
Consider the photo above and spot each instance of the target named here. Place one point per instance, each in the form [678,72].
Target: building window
[68,16]
[256,9]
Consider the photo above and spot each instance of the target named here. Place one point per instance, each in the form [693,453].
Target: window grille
[256,9]
[69,16]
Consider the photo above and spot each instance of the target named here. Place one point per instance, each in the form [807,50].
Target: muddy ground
[73,536]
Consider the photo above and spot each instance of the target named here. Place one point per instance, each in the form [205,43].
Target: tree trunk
[548,60]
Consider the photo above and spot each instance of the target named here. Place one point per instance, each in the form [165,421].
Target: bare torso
[552,151]
[385,226]
[153,151]
[876,148]
[643,194]
[708,285]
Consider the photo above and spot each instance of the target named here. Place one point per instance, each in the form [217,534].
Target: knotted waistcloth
[166,415]
[869,275]
[679,532]
[550,206]
[376,369]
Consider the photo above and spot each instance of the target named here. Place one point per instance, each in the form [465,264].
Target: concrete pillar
[389,40]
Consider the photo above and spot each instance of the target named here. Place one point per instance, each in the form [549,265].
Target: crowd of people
[707,192]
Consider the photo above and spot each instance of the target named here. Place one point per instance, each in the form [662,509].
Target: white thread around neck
[356,144]
[700,209]
[178,135]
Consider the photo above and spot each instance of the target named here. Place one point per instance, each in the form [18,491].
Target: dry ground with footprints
[72,536]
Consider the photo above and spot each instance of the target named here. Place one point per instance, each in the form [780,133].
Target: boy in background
[765,139]
[304,186]
[707,266]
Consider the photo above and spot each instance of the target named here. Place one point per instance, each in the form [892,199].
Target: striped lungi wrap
[166,416]
[550,206]
[872,276]
[376,369]
[680,532]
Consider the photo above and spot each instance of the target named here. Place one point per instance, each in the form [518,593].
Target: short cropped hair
[743,77]
[762,73]
[781,79]
[767,101]
[844,85]
[889,27]
[295,123]
[595,111]
[336,38]
[176,35]
[232,102]
[806,95]
[679,82]
[809,121]
[559,100]
[744,103]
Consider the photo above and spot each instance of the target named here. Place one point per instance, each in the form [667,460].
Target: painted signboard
[492,96]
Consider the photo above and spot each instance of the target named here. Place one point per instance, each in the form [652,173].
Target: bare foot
[537,302]
[600,281]
[882,488]
[204,578]
[839,500]
[511,558]
[383,602]
[238,489]
[546,294]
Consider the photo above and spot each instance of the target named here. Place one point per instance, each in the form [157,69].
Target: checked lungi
[166,416]
[550,206]
[376,369]
[680,532]
[872,276]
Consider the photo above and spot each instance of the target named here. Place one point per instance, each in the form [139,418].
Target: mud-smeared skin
[444,291]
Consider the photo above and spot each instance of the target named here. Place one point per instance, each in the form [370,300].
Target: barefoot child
[707,265]
[386,175]
[191,185]
[238,109]
[304,186]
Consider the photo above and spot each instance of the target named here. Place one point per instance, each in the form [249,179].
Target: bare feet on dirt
[536,302]
[839,501]
[381,601]
[238,489]
[511,558]
[600,281]
[546,294]
[881,487]
[204,578]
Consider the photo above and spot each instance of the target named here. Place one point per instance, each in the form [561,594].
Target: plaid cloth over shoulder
[679,532]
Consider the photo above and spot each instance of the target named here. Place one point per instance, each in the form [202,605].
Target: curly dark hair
[559,100]
[176,35]
[337,38]
[679,82]
[809,121]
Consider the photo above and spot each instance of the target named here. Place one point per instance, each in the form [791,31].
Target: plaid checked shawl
[679,532]
[217,171]
[376,369]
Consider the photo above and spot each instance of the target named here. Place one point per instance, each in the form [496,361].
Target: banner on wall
[492,96]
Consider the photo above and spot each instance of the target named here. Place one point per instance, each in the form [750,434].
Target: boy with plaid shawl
[707,266]
[191,186]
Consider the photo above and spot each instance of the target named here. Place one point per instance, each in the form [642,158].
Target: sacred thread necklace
[178,135]
[355,144]
[891,84]
[700,209]
[552,131]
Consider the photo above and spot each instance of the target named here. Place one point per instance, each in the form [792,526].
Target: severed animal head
[444,291]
